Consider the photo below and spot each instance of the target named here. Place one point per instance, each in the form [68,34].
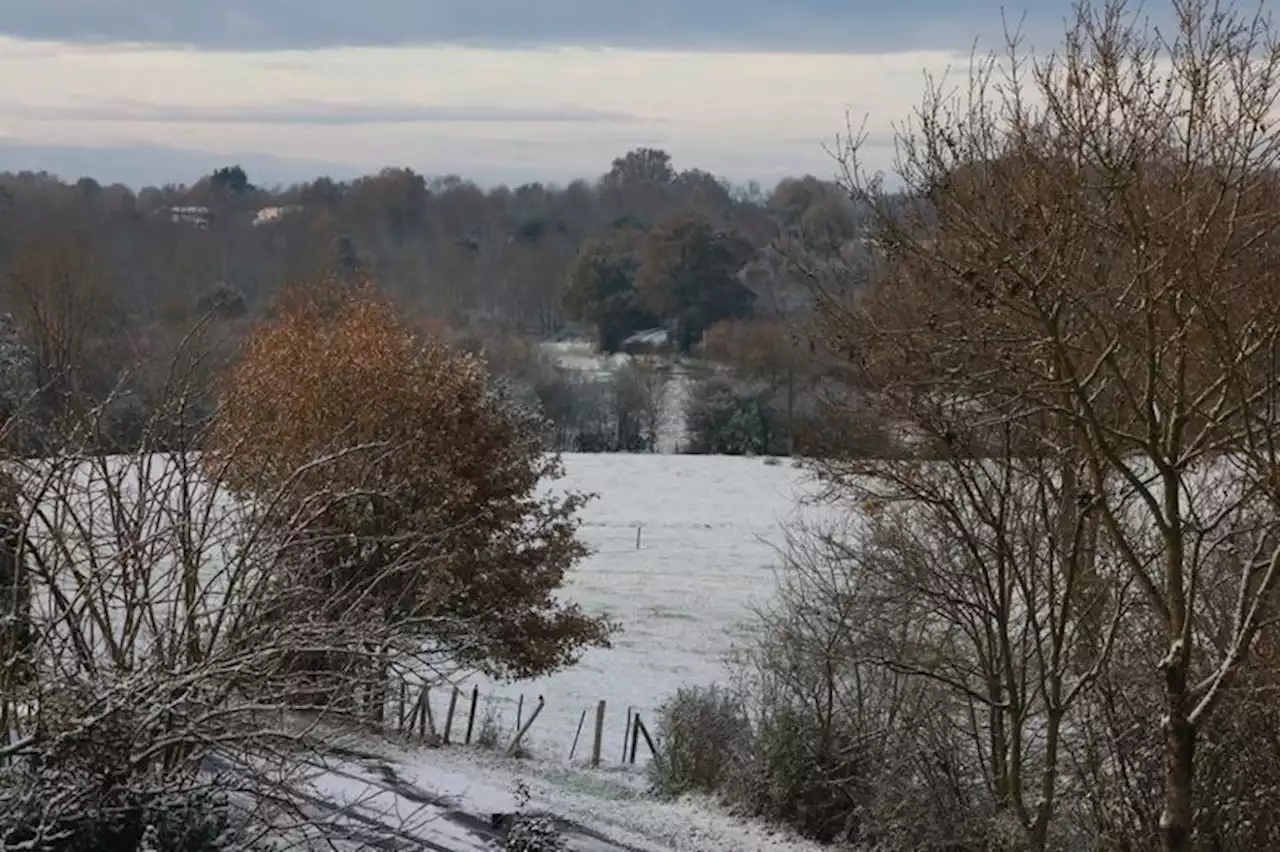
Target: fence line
[408,712]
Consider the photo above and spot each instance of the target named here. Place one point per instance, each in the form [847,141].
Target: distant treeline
[105,285]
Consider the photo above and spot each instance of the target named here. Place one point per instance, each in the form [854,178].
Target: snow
[581,355]
[709,531]
[599,810]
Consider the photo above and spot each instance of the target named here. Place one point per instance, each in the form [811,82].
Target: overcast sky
[150,91]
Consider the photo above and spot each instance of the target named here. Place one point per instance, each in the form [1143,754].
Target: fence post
[598,741]
[400,707]
[515,744]
[471,715]
[639,527]
[577,733]
[520,712]
[635,737]
[427,714]
[644,732]
[626,735]
[414,712]
[448,719]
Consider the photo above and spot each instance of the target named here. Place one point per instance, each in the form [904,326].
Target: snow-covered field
[709,531]
[710,528]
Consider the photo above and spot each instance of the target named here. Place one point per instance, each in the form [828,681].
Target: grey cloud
[307,112]
[808,25]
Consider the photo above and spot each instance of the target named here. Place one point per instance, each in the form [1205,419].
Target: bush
[489,734]
[619,413]
[120,820]
[537,833]
[842,751]
[431,513]
[526,832]
[814,773]
[724,416]
[703,735]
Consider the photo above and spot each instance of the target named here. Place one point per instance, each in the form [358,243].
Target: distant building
[270,215]
[198,216]
[653,341]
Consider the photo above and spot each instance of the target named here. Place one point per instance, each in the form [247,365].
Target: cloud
[508,115]
[306,112]
[799,25]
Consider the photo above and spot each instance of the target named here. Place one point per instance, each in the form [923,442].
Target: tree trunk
[1176,822]
[15,587]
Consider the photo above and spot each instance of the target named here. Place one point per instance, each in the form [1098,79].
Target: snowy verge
[607,809]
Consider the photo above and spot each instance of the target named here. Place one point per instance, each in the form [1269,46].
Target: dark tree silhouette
[689,275]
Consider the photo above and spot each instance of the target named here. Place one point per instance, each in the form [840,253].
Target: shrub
[526,832]
[619,413]
[703,734]
[816,778]
[728,417]
[489,734]
[120,820]
[534,833]
[440,527]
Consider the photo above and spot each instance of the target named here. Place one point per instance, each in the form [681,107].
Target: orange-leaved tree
[432,517]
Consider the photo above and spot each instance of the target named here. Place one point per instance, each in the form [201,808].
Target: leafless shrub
[726,416]
[489,732]
[847,749]
[703,736]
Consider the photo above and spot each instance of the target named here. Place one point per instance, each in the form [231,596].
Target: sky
[500,91]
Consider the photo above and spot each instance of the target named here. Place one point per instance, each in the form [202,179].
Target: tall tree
[230,179]
[641,166]
[602,288]
[1086,259]
[689,275]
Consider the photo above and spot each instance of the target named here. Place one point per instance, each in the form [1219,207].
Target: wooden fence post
[577,733]
[400,706]
[644,732]
[520,711]
[448,719]
[598,741]
[626,735]
[515,744]
[414,714]
[471,715]
[428,715]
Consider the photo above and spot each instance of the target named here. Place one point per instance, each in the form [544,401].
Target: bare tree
[640,397]
[1084,256]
